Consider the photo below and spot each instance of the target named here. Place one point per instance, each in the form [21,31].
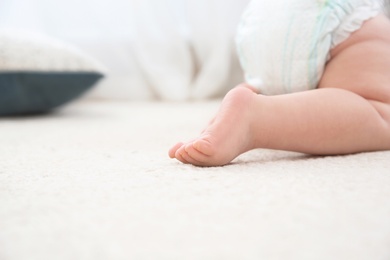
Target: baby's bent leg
[350,112]
[322,121]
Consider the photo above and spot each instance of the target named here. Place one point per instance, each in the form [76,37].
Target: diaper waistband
[351,15]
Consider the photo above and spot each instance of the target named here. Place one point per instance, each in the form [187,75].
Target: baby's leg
[323,121]
[348,113]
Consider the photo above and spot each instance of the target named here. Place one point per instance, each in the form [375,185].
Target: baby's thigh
[361,64]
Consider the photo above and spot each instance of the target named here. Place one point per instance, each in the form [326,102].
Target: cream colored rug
[94,182]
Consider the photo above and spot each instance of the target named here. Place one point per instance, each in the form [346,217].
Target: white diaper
[284,44]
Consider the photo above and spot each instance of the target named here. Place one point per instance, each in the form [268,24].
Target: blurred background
[153,49]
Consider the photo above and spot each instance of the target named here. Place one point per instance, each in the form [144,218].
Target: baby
[318,82]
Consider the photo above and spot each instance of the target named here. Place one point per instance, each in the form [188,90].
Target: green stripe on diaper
[286,71]
[325,12]
[313,57]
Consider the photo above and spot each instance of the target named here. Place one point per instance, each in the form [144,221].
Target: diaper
[284,45]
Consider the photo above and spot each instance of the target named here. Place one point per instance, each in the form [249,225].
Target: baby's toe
[174,149]
[195,154]
[181,156]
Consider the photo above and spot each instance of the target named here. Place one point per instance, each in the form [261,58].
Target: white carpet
[94,182]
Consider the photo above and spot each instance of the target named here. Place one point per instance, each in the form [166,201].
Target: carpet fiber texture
[94,181]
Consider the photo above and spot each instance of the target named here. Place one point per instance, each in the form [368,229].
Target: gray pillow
[38,74]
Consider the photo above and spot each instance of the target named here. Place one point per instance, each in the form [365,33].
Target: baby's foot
[227,136]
